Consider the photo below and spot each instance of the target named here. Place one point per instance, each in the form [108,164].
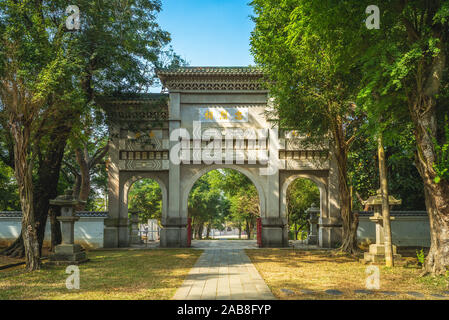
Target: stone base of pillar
[376,254]
[110,237]
[329,233]
[116,233]
[274,236]
[312,240]
[174,237]
[135,239]
[68,254]
[123,236]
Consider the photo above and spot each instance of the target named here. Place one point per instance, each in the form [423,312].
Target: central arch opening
[223,205]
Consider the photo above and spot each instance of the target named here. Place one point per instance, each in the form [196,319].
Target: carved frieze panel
[143,155]
[304,155]
[293,164]
[141,165]
[153,144]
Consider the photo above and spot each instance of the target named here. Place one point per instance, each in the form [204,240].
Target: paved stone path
[224,244]
[224,274]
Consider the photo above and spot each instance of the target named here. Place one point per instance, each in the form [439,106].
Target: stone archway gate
[147,132]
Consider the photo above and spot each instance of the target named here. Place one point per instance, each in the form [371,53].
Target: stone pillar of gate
[174,232]
[330,223]
[115,228]
[274,227]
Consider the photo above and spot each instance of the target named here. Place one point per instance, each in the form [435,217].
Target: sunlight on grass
[149,274]
[321,270]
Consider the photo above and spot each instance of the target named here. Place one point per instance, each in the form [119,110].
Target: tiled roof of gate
[228,71]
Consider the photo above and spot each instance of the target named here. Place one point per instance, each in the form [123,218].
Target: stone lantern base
[68,254]
[377,253]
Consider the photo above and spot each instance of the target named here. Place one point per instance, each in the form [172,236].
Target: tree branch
[99,154]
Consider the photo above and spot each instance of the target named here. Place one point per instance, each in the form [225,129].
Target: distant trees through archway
[145,199]
[301,194]
[224,200]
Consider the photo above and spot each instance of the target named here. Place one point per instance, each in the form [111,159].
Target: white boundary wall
[409,229]
[88,229]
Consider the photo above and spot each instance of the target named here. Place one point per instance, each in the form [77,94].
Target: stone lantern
[68,252]
[314,213]
[134,235]
[377,251]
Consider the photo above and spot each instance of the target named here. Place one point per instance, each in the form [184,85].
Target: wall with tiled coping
[88,230]
[410,228]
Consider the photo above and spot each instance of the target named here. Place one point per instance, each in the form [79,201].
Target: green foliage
[145,197]
[223,196]
[310,77]
[421,256]
[242,195]
[116,51]
[9,196]
[321,58]
[207,204]
[301,194]
[441,165]
[404,180]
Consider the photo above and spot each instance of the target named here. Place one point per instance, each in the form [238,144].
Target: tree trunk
[208,230]
[200,231]
[423,113]
[350,221]
[16,249]
[296,231]
[82,158]
[23,164]
[389,262]
[45,188]
[55,225]
[248,230]
[436,194]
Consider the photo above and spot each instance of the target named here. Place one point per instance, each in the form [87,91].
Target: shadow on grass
[320,271]
[152,274]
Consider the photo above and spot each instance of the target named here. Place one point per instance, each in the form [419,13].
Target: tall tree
[314,80]
[121,46]
[405,75]
[403,65]
[34,69]
[116,50]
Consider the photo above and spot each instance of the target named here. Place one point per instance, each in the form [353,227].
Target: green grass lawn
[318,271]
[121,274]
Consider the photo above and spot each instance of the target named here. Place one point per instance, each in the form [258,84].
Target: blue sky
[209,32]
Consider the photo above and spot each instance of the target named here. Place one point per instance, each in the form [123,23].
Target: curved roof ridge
[210,70]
